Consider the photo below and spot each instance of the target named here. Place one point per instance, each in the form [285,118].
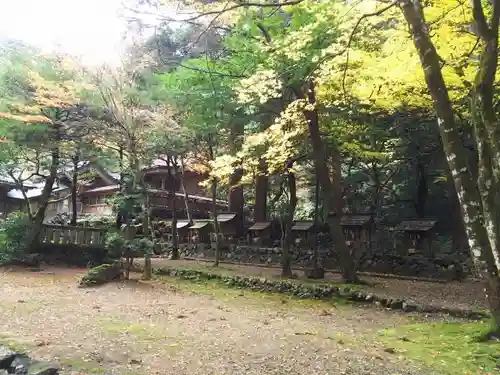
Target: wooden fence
[82,236]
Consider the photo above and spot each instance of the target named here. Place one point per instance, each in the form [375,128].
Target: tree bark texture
[475,213]
[216,223]
[286,241]
[33,237]
[184,192]
[235,198]
[331,186]
[261,187]
[173,207]
[74,186]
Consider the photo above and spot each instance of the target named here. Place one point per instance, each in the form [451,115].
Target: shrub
[13,234]
[119,247]
[101,275]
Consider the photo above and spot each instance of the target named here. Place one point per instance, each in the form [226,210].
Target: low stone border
[12,362]
[321,292]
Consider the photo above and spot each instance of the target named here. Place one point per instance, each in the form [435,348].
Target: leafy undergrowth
[452,348]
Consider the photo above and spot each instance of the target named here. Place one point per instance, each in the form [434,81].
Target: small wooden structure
[303,232]
[357,227]
[82,236]
[259,233]
[199,232]
[227,224]
[419,233]
[183,230]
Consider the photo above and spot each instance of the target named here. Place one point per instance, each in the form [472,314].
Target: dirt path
[157,328]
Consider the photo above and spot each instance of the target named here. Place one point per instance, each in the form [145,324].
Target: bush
[115,244]
[119,247]
[13,235]
[101,275]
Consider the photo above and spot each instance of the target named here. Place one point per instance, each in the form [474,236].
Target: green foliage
[126,202]
[451,348]
[13,233]
[116,244]
[119,247]
[101,275]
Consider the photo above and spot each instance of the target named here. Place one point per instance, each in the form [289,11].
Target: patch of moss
[302,290]
[284,286]
[101,275]
[138,330]
[451,348]
[228,293]
[83,366]
[227,270]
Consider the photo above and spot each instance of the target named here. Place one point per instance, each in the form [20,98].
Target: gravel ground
[467,294]
[160,328]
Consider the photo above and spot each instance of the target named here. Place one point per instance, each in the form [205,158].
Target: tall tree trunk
[261,187]
[331,188]
[422,190]
[211,153]
[459,235]
[316,222]
[286,241]
[175,238]
[33,236]
[216,223]
[470,201]
[148,270]
[235,199]
[120,219]
[184,192]
[485,124]
[74,186]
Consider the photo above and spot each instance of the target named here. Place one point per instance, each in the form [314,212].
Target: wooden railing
[82,236]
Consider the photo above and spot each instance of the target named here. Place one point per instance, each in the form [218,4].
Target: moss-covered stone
[102,274]
[311,291]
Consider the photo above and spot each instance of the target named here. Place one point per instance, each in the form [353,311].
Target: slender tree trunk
[148,270]
[316,222]
[184,191]
[422,190]
[261,187]
[216,223]
[482,251]
[175,237]
[235,199]
[74,186]
[486,126]
[119,215]
[459,236]
[331,188]
[286,262]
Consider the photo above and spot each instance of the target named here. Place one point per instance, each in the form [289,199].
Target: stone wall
[73,255]
[387,262]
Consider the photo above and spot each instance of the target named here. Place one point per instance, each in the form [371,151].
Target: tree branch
[482,28]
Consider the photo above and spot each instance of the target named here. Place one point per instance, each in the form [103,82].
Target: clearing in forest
[173,327]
